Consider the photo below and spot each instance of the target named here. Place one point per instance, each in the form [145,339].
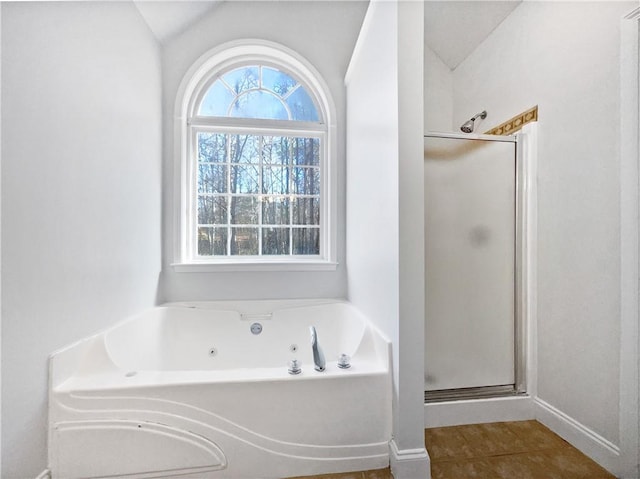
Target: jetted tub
[191,389]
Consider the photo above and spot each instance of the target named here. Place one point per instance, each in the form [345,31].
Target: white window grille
[256,162]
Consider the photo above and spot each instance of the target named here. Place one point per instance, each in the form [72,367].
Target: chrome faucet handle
[318,356]
[294,367]
[344,361]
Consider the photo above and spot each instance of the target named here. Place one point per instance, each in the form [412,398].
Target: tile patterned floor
[501,450]
[506,450]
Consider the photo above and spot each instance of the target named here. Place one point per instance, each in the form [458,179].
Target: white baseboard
[476,411]
[601,450]
[409,463]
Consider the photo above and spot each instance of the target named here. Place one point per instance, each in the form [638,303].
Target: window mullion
[193,200]
[290,92]
[228,180]
[290,190]
[259,126]
[260,190]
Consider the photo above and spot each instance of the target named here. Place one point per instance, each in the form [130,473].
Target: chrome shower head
[467,127]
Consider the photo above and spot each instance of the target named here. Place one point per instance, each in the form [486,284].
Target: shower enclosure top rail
[471,136]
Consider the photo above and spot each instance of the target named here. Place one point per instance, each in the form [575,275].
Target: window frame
[187,123]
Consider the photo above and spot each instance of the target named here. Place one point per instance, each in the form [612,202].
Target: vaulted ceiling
[168,18]
[453,29]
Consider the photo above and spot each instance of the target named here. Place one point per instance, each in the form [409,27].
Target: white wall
[438,93]
[629,252]
[372,175]
[80,194]
[411,226]
[0,244]
[384,203]
[564,57]
[322,32]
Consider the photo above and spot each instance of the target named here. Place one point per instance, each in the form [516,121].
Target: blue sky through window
[258,92]
[259,104]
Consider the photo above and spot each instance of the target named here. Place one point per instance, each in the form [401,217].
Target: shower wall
[564,57]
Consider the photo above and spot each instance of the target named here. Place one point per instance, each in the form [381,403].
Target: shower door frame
[524,274]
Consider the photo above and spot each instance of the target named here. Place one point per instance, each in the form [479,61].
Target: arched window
[256,156]
[258,91]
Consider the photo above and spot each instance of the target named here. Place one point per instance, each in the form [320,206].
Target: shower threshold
[442,395]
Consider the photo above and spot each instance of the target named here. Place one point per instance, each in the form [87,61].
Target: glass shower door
[470,266]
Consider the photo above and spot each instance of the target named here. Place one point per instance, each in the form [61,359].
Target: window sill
[236,266]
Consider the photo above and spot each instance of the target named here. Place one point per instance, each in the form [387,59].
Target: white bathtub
[188,389]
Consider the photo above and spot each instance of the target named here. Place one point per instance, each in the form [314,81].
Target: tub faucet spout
[318,356]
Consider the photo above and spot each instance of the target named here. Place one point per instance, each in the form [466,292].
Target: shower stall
[474,255]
